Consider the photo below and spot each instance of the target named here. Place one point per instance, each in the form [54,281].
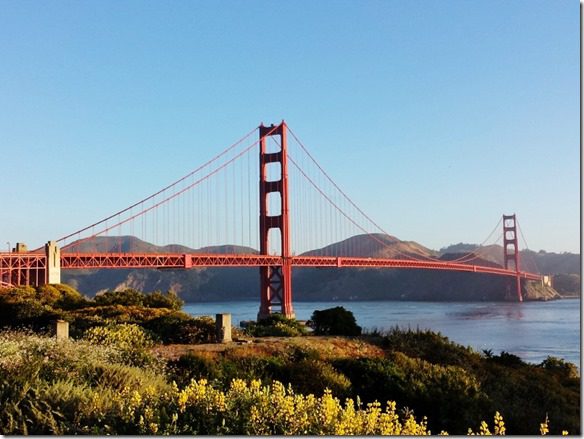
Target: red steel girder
[22,260]
[329,261]
[177,261]
[156,260]
[22,268]
[12,264]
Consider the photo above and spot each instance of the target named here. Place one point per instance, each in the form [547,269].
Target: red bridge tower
[276,280]
[511,249]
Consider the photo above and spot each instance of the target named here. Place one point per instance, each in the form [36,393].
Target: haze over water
[530,330]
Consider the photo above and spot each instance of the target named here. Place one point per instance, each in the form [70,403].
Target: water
[530,330]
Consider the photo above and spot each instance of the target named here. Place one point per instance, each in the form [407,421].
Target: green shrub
[20,306]
[195,367]
[130,340]
[507,359]
[27,313]
[118,377]
[48,294]
[179,327]
[24,412]
[126,297]
[121,313]
[560,367]
[448,395]
[168,300]
[315,376]
[37,308]
[63,359]
[429,346]
[131,297]
[70,297]
[335,321]
[276,325]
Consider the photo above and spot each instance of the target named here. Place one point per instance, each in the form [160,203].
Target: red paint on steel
[511,249]
[22,268]
[180,261]
[28,268]
[275,280]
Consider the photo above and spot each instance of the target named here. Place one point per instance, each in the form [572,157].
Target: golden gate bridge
[217,203]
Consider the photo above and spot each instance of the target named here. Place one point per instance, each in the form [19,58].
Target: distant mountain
[375,245]
[220,284]
[131,244]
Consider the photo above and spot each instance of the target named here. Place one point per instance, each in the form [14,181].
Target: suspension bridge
[209,218]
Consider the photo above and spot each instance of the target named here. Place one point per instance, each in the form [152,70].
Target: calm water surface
[531,330]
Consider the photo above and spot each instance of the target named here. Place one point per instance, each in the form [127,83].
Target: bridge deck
[70,261]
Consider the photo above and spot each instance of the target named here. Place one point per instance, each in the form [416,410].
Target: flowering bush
[277,326]
[131,341]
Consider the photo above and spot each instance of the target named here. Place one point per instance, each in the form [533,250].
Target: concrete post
[62,330]
[53,269]
[223,328]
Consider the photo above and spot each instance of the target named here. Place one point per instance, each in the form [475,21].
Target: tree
[335,321]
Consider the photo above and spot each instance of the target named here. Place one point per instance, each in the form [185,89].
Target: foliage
[168,300]
[276,325]
[26,312]
[127,297]
[315,376]
[305,371]
[561,368]
[567,284]
[68,298]
[129,340]
[92,316]
[178,327]
[523,392]
[507,359]
[132,297]
[37,307]
[90,387]
[195,366]
[430,346]
[417,384]
[335,321]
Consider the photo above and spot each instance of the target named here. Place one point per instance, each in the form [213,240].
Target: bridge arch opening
[274,204]
[273,171]
[275,242]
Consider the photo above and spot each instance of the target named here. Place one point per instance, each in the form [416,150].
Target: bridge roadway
[73,261]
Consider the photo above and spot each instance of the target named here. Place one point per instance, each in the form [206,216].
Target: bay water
[530,330]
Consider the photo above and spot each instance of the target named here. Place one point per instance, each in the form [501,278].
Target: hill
[131,244]
[375,245]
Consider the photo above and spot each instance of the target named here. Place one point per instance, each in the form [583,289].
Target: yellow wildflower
[544,426]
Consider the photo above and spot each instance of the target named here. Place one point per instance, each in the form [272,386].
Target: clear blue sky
[436,116]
